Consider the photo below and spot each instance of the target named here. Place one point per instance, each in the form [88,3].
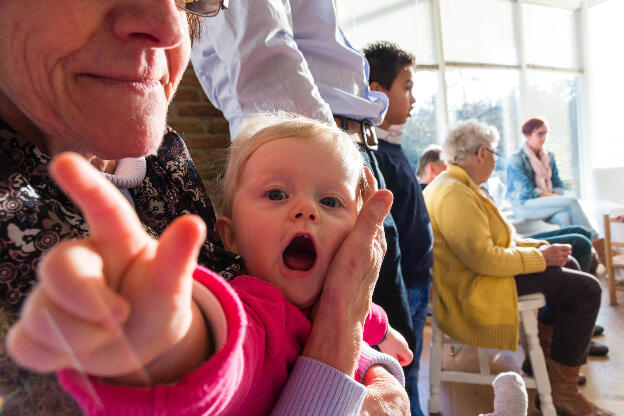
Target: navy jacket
[410,214]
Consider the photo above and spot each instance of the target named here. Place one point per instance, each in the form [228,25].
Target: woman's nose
[159,23]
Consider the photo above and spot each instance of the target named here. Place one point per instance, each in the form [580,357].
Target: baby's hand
[115,304]
[395,345]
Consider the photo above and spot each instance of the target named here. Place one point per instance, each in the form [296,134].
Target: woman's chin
[127,137]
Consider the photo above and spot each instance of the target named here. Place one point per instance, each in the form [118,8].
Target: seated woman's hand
[556,254]
[394,344]
[116,304]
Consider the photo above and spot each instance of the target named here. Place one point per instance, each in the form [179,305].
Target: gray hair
[465,139]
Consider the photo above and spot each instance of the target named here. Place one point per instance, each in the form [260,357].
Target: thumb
[176,255]
[376,208]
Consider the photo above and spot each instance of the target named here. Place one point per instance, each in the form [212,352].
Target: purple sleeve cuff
[314,388]
[370,357]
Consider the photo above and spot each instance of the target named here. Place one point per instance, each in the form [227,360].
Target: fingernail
[116,317]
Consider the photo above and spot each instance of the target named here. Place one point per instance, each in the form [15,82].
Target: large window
[499,61]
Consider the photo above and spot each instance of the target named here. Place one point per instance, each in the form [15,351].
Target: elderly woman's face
[94,76]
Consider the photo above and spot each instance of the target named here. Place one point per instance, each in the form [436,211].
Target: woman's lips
[122,80]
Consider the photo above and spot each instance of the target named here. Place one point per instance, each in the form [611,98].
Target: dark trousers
[575,235]
[573,301]
[390,292]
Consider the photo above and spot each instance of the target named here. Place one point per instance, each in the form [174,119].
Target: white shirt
[287,55]
[392,135]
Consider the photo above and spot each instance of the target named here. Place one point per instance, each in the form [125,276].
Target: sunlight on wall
[606,34]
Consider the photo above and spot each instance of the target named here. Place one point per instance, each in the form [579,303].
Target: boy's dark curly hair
[386,60]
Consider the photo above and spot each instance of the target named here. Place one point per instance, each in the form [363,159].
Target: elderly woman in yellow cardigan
[480,268]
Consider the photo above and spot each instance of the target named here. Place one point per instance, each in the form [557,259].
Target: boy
[391,73]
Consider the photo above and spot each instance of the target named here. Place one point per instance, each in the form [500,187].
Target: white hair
[465,138]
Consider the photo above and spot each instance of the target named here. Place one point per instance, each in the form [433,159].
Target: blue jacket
[410,214]
[521,178]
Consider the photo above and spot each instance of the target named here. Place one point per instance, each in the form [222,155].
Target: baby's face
[296,202]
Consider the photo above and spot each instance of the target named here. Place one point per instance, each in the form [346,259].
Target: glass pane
[421,129]
[407,23]
[491,96]
[550,36]
[555,97]
[607,141]
[478,31]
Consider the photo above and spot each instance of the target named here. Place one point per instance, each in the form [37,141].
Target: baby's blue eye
[275,195]
[330,202]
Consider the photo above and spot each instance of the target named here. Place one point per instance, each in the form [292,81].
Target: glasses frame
[223,4]
[497,155]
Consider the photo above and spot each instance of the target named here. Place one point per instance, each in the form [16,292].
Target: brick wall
[204,130]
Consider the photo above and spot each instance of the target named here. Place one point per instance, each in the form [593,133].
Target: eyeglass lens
[204,8]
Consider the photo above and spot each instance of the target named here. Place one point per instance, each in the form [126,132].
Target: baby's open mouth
[300,253]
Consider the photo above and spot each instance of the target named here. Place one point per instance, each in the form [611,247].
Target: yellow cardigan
[475,262]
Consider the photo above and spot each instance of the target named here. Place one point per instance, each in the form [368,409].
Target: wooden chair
[527,309]
[614,253]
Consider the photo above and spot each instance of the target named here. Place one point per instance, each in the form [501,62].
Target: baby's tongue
[298,261]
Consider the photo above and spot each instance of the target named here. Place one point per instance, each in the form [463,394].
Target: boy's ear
[226,232]
[375,86]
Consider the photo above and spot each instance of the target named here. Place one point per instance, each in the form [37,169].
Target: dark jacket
[410,214]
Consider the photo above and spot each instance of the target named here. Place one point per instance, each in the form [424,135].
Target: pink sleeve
[376,325]
[200,392]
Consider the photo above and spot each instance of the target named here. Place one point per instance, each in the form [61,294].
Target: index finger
[113,223]
[369,184]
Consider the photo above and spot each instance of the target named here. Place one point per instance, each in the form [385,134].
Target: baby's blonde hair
[263,128]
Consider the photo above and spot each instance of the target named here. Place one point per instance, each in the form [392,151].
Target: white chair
[527,308]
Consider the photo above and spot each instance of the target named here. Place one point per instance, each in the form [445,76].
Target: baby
[293,191]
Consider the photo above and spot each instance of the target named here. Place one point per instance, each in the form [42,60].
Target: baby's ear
[226,232]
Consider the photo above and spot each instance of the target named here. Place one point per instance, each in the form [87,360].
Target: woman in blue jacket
[534,187]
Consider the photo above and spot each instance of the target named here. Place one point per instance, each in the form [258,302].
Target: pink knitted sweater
[265,334]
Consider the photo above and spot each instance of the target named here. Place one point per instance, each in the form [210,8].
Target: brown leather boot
[566,395]
[545,333]
[599,248]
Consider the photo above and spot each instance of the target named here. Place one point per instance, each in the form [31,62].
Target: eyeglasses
[203,8]
[542,133]
[496,154]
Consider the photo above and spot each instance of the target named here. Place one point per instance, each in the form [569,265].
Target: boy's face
[296,202]
[400,97]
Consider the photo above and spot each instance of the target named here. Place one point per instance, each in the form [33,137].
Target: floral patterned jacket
[35,215]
